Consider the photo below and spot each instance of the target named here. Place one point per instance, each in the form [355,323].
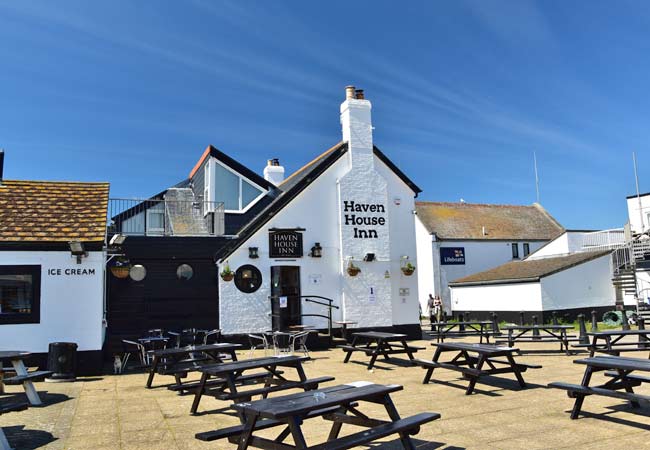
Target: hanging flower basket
[121,267]
[408,269]
[227,274]
[353,270]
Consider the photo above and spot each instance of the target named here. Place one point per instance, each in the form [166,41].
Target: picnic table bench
[484,329]
[4,409]
[222,381]
[337,404]
[619,369]
[22,376]
[473,367]
[539,333]
[613,342]
[375,343]
[179,361]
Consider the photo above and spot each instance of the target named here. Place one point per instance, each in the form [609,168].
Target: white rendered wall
[317,210]
[633,213]
[71,305]
[479,256]
[425,251]
[582,286]
[498,297]
[568,242]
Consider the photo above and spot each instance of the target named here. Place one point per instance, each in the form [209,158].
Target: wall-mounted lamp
[117,240]
[252,253]
[77,249]
[316,251]
[369,257]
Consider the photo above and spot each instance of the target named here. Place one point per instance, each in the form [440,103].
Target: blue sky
[463,92]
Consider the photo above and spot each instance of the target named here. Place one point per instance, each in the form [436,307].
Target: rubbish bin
[62,361]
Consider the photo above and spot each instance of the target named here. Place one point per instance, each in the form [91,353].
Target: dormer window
[222,184]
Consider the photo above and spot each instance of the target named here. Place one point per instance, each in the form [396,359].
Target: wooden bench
[243,379]
[239,396]
[573,389]
[410,425]
[38,375]
[260,425]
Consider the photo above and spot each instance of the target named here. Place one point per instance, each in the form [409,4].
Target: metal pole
[536,176]
[638,195]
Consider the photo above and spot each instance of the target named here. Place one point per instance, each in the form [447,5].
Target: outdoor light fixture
[77,249]
[369,257]
[252,252]
[316,251]
[117,240]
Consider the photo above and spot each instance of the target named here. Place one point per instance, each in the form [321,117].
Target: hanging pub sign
[452,256]
[285,243]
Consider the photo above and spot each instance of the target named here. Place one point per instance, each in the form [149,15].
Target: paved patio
[117,412]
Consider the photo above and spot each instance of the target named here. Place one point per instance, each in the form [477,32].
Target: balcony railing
[164,217]
[603,240]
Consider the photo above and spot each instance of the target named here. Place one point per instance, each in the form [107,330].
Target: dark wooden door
[285,282]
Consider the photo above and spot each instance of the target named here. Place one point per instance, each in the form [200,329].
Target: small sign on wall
[404,292]
[283,302]
[450,256]
[285,244]
[372,295]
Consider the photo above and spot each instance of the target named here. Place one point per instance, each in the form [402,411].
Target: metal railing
[163,217]
[603,240]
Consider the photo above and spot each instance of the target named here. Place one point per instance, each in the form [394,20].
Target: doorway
[285,282]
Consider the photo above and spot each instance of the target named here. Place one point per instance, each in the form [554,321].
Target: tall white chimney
[356,125]
[274,172]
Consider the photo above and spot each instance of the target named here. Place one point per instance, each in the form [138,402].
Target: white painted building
[567,284]
[47,294]
[638,210]
[348,207]
[455,240]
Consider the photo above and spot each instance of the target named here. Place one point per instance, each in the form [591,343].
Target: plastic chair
[298,341]
[257,342]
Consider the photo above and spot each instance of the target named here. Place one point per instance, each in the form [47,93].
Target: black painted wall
[161,300]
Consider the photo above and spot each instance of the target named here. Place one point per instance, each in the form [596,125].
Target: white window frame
[207,188]
[241,210]
[154,230]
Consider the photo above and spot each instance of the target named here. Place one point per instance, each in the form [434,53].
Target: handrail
[329,306]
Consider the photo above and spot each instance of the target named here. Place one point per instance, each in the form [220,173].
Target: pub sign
[285,244]
[452,256]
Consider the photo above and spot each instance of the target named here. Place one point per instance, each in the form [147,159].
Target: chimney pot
[349,92]
[273,162]
[358,94]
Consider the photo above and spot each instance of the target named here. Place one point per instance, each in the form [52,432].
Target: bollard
[521,318]
[626,324]
[535,330]
[554,320]
[594,322]
[583,338]
[461,319]
[495,323]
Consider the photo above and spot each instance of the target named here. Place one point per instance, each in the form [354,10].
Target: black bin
[62,361]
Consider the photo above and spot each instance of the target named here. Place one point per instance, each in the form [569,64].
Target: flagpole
[536,176]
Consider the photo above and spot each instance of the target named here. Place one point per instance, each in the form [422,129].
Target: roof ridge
[547,214]
[427,202]
[56,181]
[311,163]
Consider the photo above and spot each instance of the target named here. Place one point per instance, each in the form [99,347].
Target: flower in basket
[353,270]
[408,269]
[226,273]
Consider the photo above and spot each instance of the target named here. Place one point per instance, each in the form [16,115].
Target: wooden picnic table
[344,327]
[539,333]
[483,329]
[619,369]
[473,367]
[613,341]
[338,404]
[375,343]
[4,409]
[179,361]
[223,380]
[16,358]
